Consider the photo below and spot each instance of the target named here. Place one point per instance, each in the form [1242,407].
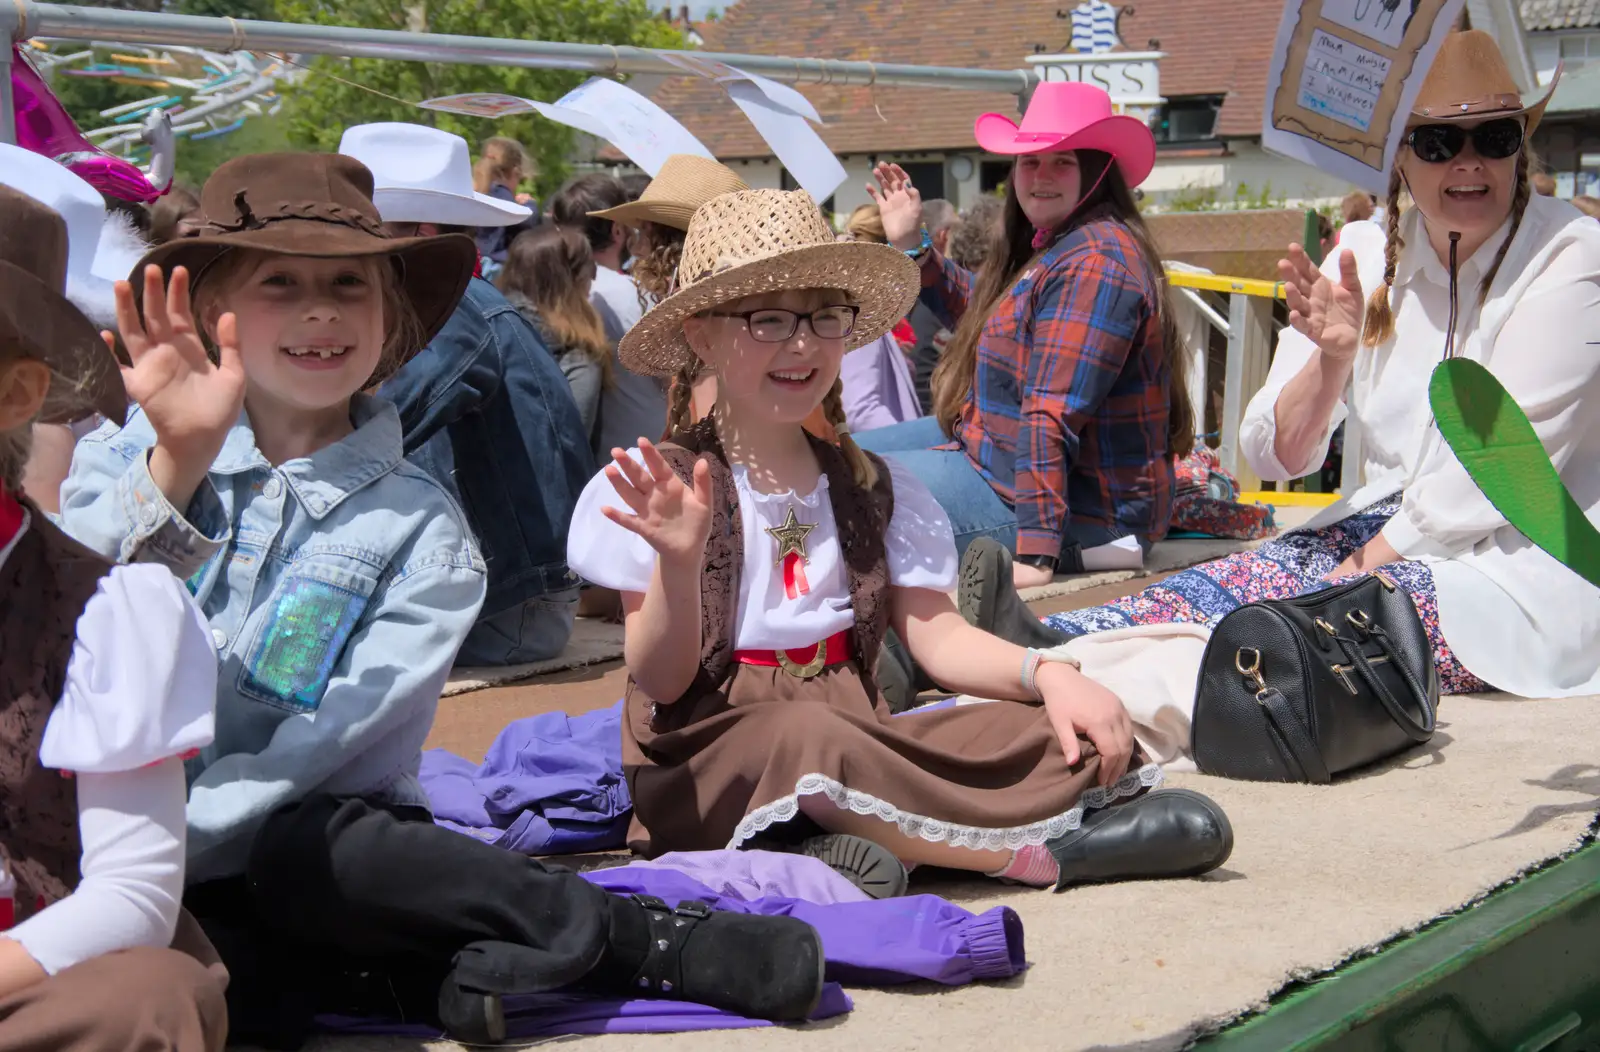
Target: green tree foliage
[321,107]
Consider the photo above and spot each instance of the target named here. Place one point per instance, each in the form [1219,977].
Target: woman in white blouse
[1519,275]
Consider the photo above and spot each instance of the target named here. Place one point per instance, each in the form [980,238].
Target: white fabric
[1513,615]
[619,293]
[140,690]
[424,175]
[921,554]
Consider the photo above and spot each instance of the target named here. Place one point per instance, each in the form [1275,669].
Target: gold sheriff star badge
[791,536]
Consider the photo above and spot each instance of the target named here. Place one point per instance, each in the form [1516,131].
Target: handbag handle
[1417,731]
[1294,735]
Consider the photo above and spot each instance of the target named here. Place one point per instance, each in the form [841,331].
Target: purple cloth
[751,875]
[550,785]
[872,943]
[879,389]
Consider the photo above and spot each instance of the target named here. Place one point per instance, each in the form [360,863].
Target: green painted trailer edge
[1487,979]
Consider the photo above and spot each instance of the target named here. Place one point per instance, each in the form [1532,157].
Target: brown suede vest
[861,515]
[46,582]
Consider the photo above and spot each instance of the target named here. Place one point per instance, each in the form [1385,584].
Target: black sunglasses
[1438,143]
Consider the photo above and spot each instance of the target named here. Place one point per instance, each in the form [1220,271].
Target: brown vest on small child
[45,583]
[861,516]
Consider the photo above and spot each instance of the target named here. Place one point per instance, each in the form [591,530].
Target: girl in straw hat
[108,678]
[339,582]
[1477,266]
[760,568]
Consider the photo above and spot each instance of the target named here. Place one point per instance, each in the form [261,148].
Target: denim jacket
[488,413]
[338,587]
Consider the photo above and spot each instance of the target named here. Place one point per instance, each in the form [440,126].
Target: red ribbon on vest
[10,517]
[794,576]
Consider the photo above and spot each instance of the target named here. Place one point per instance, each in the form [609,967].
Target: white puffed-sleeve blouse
[921,554]
[1514,616]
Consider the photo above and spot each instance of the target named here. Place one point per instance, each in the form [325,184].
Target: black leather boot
[988,600]
[1165,833]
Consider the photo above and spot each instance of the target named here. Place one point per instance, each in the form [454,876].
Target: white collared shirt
[1513,615]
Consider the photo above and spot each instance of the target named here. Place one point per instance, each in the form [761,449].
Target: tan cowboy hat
[685,182]
[760,241]
[37,318]
[318,205]
[1470,81]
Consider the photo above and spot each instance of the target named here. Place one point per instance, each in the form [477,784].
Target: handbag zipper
[1343,672]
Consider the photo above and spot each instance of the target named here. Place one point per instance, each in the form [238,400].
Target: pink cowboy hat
[1066,115]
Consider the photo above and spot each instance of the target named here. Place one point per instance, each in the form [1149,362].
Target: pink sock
[1032,865]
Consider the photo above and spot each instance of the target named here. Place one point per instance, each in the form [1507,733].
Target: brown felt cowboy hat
[318,205]
[684,183]
[37,319]
[1470,81]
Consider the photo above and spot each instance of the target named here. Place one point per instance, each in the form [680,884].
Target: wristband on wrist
[1048,562]
[1031,660]
[919,253]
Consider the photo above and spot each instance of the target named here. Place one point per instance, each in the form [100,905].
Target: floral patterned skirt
[1291,565]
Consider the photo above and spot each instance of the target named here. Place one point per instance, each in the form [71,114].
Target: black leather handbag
[1303,689]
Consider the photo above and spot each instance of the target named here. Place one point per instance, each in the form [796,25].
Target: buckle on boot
[694,908]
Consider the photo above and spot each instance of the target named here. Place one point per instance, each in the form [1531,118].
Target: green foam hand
[1491,436]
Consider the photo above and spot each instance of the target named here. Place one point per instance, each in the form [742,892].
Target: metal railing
[23,20]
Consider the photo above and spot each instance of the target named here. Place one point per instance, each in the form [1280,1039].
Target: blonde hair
[402,328]
[862,469]
[866,224]
[1378,324]
[500,158]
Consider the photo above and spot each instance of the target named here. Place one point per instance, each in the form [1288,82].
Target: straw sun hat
[685,182]
[764,241]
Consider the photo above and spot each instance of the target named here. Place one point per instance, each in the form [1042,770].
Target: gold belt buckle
[818,662]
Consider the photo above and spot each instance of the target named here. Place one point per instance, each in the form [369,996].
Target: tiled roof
[1222,49]
[1560,14]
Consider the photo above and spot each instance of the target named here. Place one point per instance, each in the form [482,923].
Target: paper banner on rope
[643,131]
[1343,78]
[1492,438]
[780,115]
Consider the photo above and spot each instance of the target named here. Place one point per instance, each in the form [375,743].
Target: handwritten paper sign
[1344,76]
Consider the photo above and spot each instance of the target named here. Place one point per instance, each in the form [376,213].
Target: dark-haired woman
[1063,390]
[548,273]
[1519,274]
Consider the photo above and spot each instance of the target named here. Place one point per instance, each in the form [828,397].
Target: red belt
[803,662]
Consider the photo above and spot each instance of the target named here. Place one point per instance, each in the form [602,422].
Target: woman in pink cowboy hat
[1063,390]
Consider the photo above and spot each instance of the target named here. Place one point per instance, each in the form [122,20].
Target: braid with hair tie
[1519,204]
[1379,323]
[679,411]
[861,467]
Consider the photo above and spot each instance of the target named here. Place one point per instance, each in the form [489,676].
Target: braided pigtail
[861,467]
[1519,205]
[1379,324]
[679,410]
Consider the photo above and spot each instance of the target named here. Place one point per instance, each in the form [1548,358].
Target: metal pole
[10,29]
[230,34]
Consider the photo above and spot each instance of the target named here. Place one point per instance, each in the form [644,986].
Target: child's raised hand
[673,519]
[1078,705]
[899,205]
[191,402]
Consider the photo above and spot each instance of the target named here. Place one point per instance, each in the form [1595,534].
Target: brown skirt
[713,771]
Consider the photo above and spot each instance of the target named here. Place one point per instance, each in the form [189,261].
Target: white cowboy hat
[99,252]
[758,241]
[424,175]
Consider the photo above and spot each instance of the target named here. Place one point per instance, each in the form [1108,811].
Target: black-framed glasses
[775,325]
[1494,140]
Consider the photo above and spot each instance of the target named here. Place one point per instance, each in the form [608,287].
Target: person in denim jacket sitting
[486,409]
[338,581]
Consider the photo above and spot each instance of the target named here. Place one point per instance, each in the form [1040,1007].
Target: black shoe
[869,866]
[757,967]
[894,681]
[473,1017]
[1166,833]
[988,600]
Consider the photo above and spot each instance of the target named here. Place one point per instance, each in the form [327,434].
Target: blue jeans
[536,630]
[974,508]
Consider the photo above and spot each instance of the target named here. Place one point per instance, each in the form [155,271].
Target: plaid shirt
[1069,418]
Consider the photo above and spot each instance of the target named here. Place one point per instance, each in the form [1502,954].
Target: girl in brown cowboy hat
[339,582]
[760,568]
[1479,266]
[107,679]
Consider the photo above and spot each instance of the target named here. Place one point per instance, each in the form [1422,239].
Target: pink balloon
[44,126]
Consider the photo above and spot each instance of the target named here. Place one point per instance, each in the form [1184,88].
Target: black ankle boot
[1165,833]
[988,600]
[757,967]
